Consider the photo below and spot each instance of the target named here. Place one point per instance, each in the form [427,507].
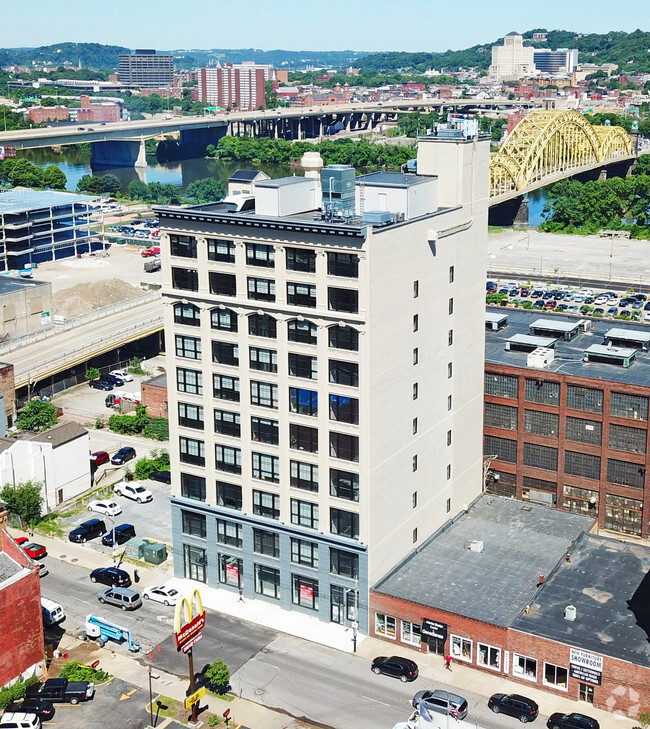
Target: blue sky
[414,25]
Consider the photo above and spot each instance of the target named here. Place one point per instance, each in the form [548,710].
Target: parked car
[43,709]
[111,576]
[514,705]
[123,455]
[121,597]
[161,593]
[61,690]
[443,702]
[99,457]
[43,570]
[162,476]
[397,667]
[100,385]
[114,380]
[612,311]
[571,721]
[87,530]
[35,551]
[123,375]
[133,490]
[123,532]
[539,304]
[108,508]
[562,307]
[20,720]
[599,310]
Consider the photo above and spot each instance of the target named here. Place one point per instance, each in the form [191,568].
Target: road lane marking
[377,701]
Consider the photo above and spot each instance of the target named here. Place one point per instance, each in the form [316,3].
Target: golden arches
[550,144]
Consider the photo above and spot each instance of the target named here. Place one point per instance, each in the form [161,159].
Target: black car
[113,380]
[571,721]
[123,532]
[111,576]
[514,705]
[402,668]
[87,530]
[123,455]
[43,709]
[100,385]
[162,476]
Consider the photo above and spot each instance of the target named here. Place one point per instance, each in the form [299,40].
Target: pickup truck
[61,690]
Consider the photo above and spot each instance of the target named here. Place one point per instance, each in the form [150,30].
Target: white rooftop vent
[540,358]
[570,613]
[476,545]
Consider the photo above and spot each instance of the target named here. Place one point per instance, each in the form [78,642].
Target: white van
[52,612]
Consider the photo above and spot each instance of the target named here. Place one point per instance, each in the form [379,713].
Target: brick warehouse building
[572,434]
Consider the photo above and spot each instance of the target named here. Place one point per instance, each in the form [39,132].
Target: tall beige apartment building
[512,60]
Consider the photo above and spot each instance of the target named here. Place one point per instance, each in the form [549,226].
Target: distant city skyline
[382,25]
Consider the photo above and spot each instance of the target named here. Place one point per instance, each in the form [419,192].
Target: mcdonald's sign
[189,619]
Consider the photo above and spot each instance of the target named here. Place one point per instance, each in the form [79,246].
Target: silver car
[121,597]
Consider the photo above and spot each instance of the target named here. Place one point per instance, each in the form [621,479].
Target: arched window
[343,338]
[187,314]
[262,325]
[224,319]
[302,331]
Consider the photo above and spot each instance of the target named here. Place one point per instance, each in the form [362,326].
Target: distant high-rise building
[238,86]
[561,61]
[145,68]
[512,59]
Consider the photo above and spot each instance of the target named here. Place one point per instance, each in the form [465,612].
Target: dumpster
[155,553]
[135,547]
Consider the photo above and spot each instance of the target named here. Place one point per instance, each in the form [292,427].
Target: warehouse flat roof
[552,324]
[628,335]
[532,340]
[493,316]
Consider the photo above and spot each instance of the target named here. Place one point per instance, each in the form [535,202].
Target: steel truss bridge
[547,146]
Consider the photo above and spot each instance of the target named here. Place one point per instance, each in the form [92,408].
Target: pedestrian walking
[30,531]
[136,575]
[448,662]
[241,595]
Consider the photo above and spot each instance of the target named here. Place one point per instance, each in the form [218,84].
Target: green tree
[110,184]
[26,500]
[137,190]
[642,166]
[37,416]
[90,184]
[92,373]
[25,174]
[218,675]
[206,190]
[54,178]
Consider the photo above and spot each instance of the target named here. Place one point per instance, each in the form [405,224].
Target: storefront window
[411,633]
[555,676]
[461,648]
[488,656]
[385,625]
[230,570]
[524,667]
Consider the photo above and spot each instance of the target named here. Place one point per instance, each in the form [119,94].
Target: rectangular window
[344,446]
[231,570]
[265,360]
[344,409]
[449,437]
[415,390]
[448,505]
[449,401]
[540,456]
[228,459]
[623,514]
[415,463]
[344,523]
[415,535]
[222,284]
[265,467]
[411,633]
[547,393]
[504,448]
[416,289]
[189,347]
[501,385]
[230,533]
[304,475]
[488,656]
[262,325]
[187,314]
[190,416]
[450,337]
[582,464]
[451,274]
[183,246]
[416,355]
[266,504]
[580,501]
[629,406]
[302,401]
[343,300]
[302,365]
[385,625]
[344,485]
[194,563]
[302,438]
[301,295]
[264,394]
[229,495]
[304,513]
[624,438]
[302,331]
[538,422]
[192,451]
[300,259]
[267,581]
[415,426]
[304,553]
[416,322]
[304,592]
[626,473]
[258,254]
[185,279]
[499,416]
[344,564]
[261,289]
[223,319]
[585,693]
[225,353]
[265,542]
[450,370]
[227,423]
[580,430]
[221,250]
[448,473]
[265,430]
[343,264]
[451,306]
[193,487]
[343,338]
[556,676]
[461,648]
[524,667]
[344,373]
[225,387]
[584,398]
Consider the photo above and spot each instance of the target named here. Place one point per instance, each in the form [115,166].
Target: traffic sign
[195,697]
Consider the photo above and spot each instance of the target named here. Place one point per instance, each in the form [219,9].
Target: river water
[74,164]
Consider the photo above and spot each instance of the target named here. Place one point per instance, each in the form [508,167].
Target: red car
[149,252]
[100,457]
[35,551]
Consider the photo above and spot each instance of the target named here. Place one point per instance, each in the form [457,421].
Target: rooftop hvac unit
[477,545]
[540,357]
[377,217]
[570,613]
[338,182]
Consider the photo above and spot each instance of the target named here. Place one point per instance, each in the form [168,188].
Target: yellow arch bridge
[547,146]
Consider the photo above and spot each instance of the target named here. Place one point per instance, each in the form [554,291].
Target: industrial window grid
[190,416]
[265,430]
[265,542]
[261,289]
[629,406]
[580,501]
[541,391]
[304,475]
[265,360]
[194,524]
[264,394]
[303,438]
[225,353]
[187,314]
[538,422]
[227,423]
[500,416]
[229,532]
[582,464]
[265,467]
[258,254]
[584,398]
[623,514]
[343,338]
[504,448]
[504,485]
[221,284]
[345,564]
[625,438]
[304,552]
[229,495]
[193,487]
[626,473]
[580,430]
[304,513]
[304,592]
[221,250]
[262,325]
[192,451]
[225,387]
[539,456]
[266,504]
[302,365]
[182,245]
[188,347]
[539,484]
[224,319]
[501,385]
[228,459]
